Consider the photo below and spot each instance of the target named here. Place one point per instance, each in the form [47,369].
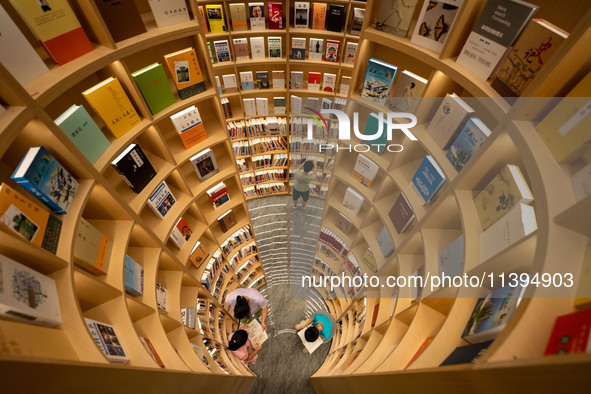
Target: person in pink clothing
[241,347]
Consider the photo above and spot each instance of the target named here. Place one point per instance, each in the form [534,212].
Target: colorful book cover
[394,16]
[256,12]
[318,16]
[134,277]
[110,102]
[314,80]
[222,51]
[218,195]
[332,51]
[246,80]
[238,16]
[335,17]
[185,71]
[401,214]
[181,232]
[45,178]
[189,126]
[365,170]
[379,77]
[106,339]
[92,249]
[122,18]
[154,86]
[435,22]
[472,136]
[212,57]
[215,17]
[298,48]
[301,9]
[570,334]
[162,200]
[134,167]
[427,180]
[169,12]
[328,84]
[262,79]
[275,11]
[275,47]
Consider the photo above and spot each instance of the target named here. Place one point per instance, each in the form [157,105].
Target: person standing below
[303,176]
[247,302]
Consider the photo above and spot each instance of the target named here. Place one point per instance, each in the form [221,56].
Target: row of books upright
[257,127]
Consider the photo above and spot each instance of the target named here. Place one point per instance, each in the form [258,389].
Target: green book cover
[77,124]
[154,86]
[372,127]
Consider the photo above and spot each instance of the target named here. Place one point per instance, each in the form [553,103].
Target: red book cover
[275,15]
[332,51]
[570,334]
[376,308]
[314,77]
[218,198]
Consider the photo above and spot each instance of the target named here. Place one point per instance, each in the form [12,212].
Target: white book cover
[515,225]
[246,80]
[350,52]
[262,106]
[257,16]
[297,80]
[278,79]
[257,47]
[241,49]
[345,83]
[185,119]
[316,49]
[230,84]
[407,92]
[107,340]
[222,51]
[451,116]
[161,297]
[435,22]
[353,201]
[582,182]
[296,105]
[298,48]
[16,54]
[301,16]
[328,82]
[169,12]
[313,102]
[274,46]
[162,200]
[249,107]
[365,170]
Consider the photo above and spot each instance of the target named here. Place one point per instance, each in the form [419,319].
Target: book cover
[169,12]
[332,51]
[56,27]
[353,201]
[570,334]
[297,80]
[16,54]
[133,277]
[189,126]
[427,180]
[394,16]
[222,51]
[134,167]
[181,232]
[500,23]
[27,295]
[345,84]
[515,225]
[188,316]
[523,64]
[581,181]
[257,16]
[215,17]
[275,11]
[504,191]
[198,254]
[314,80]
[316,49]
[262,79]
[162,200]
[350,52]
[241,49]
[45,178]
[385,242]
[205,164]
[448,121]
[328,83]
[262,106]
[212,57]
[154,86]
[472,136]
[318,16]
[401,214]
[186,73]
[295,103]
[230,83]
[357,23]
[451,258]
[373,127]
[257,47]
[491,314]
[218,195]
[466,354]
[379,77]
[110,102]
[298,48]
[28,220]
[435,22]
[151,351]
[369,259]
[420,350]
[106,339]
[92,249]
[161,297]
[218,84]
[122,18]
[238,16]
[335,17]
[256,334]
[278,79]
[301,9]
[246,80]
[275,47]
[344,224]
[203,18]
[407,92]
[365,170]
[249,105]
[279,105]
[227,221]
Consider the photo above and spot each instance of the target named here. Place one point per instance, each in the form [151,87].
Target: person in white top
[247,302]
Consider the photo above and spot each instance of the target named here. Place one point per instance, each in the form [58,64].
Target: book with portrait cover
[316,49]
[186,73]
[257,16]
[181,233]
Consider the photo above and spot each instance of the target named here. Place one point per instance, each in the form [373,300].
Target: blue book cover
[379,77]
[134,277]
[385,243]
[46,179]
[451,258]
[427,180]
[467,143]
[247,85]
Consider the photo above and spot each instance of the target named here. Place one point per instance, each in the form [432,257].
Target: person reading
[247,302]
[241,347]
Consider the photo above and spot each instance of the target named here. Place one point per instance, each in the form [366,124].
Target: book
[394,16]
[497,28]
[151,351]
[134,167]
[275,47]
[570,334]
[401,214]
[257,16]
[186,73]
[295,104]
[246,80]
[106,338]
[353,201]
[278,79]
[181,233]
[369,259]
[301,9]
[218,195]
[154,86]
[581,181]
[275,12]
[435,22]
[78,126]
[27,295]
[188,316]
[314,80]
[92,248]
[222,51]
[257,47]
[448,121]
[122,18]
[332,51]
[256,334]
[407,92]
[28,220]
[215,17]
[316,49]
[262,106]
[230,83]
[318,16]
[385,242]
[344,86]
[241,52]
[16,54]
[298,48]
[335,17]
[161,200]
[161,297]
[416,290]
[420,350]
[365,170]
[203,19]
[504,191]
[564,129]
[218,84]
[466,354]
[110,102]
[133,277]
[350,52]
[56,28]
[379,77]
[427,180]
[515,225]
[262,79]
[249,105]
[451,258]
[344,224]
[278,105]
[472,136]
[238,17]
[170,12]
[45,178]
[523,64]
[357,23]
[189,126]
[198,254]
[374,316]
[212,57]
[227,221]
[297,80]
[328,82]
[491,314]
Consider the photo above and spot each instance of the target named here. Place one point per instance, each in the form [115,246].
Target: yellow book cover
[565,130]
[186,73]
[318,15]
[108,99]
[238,15]
[92,249]
[215,16]
[505,190]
